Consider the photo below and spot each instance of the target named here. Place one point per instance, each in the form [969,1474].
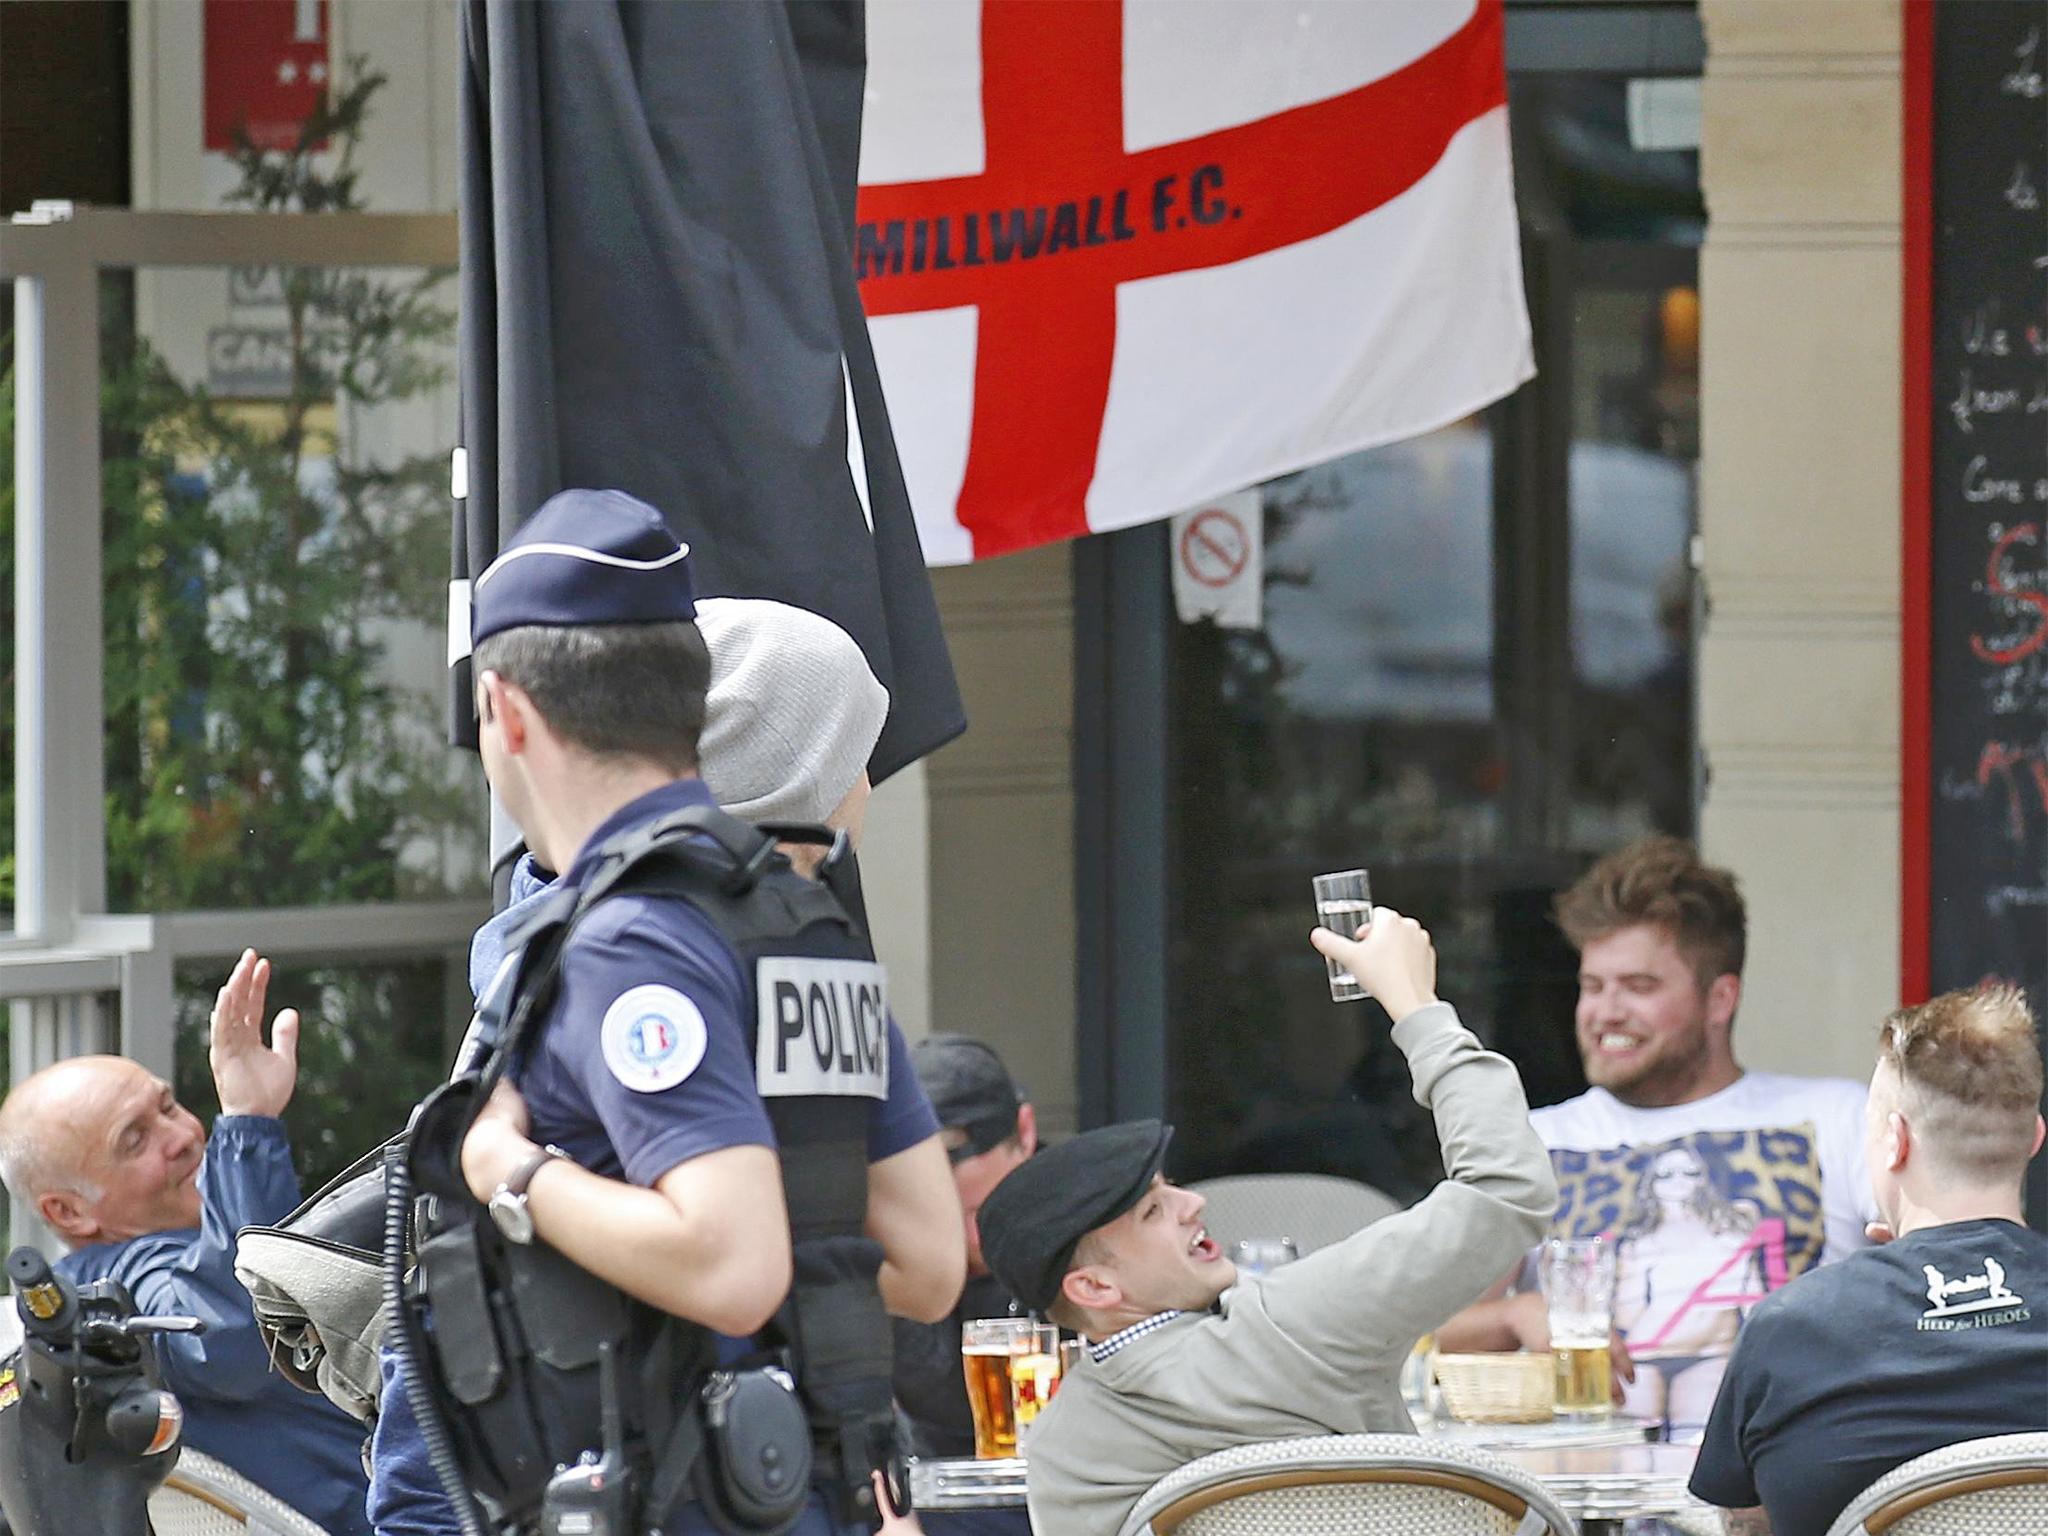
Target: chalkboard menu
[1987,536]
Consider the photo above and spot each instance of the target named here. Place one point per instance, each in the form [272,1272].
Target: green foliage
[258,556]
[261,754]
[375,1044]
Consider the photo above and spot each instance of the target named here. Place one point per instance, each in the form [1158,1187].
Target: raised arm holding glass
[1183,1357]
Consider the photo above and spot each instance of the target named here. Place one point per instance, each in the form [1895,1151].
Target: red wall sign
[266,69]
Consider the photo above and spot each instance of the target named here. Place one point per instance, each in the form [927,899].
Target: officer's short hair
[614,690]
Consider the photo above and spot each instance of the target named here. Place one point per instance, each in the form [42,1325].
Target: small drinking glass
[1343,905]
[1418,1383]
[1262,1255]
[1578,1291]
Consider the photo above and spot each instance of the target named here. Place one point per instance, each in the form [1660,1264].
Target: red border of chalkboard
[1916,489]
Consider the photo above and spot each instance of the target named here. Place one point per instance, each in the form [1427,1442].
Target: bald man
[137,1192]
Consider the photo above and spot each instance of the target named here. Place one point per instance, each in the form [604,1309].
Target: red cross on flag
[1123,256]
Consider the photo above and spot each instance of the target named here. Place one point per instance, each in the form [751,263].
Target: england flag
[1122,256]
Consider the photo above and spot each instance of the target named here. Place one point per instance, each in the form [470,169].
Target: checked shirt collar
[1116,1341]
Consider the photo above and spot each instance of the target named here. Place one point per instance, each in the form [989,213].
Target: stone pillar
[1002,823]
[1800,512]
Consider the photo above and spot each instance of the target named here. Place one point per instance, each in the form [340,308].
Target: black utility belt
[744,1457]
[541,1353]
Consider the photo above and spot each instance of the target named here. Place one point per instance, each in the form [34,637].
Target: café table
[1601,1482]
[1603,1487]
[1614,1429]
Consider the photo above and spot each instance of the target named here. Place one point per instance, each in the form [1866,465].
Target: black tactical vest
[511,1334]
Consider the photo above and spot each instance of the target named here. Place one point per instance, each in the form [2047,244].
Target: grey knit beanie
[792,714]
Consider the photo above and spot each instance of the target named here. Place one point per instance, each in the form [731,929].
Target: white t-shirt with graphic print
[1833,1106]
[1713,1205]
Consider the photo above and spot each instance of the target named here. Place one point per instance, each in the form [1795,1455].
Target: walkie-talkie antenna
[611,1417]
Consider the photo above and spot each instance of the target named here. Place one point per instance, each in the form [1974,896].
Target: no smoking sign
[1214,547]
[1217,562]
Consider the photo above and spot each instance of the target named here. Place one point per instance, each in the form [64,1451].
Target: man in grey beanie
[791,715]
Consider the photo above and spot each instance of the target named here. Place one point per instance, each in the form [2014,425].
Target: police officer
[631,1136]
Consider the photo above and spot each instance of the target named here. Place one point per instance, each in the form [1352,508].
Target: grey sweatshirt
[1315,1348]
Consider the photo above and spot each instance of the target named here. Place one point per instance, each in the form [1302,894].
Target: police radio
[594,1496]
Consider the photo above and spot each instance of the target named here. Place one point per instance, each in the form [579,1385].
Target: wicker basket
[1498,1388]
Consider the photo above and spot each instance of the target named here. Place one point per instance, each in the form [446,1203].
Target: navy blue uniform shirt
[643,1065]
[294,1443]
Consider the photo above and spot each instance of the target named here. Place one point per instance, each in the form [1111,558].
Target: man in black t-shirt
[1937,1336]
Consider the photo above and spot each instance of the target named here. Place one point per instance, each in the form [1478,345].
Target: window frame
[67,955]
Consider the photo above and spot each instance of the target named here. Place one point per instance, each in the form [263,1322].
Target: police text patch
[823,1028]
[653,1038]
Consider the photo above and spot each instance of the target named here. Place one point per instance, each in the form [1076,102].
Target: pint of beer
[1034,1378]
[1584,1377]
[988,1396]
[1578,1292]
[1011,1365]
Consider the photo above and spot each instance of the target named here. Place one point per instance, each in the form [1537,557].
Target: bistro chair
[1343,1483]
[1997,1486]
[205,1497]
[1314,1209]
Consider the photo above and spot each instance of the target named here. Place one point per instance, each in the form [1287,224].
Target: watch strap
[523,1174]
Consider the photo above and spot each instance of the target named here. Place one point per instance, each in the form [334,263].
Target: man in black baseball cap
[1183,1360]
[989,1130]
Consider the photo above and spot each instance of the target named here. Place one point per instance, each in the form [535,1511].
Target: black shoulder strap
[698,847]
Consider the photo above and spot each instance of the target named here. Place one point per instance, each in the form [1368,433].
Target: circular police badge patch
[653,1038]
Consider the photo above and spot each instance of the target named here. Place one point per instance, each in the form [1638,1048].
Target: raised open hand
[252,1078]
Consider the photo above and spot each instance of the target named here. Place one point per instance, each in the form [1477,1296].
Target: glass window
[276,544]
[7,607]
[374,1040]
[1474,677]
[1635,438]
[1356,727]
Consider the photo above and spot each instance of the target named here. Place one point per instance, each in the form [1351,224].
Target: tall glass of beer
[1034,1378]
[986,1349]
[1578,1291]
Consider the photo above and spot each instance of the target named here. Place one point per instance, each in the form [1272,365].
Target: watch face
[512,1217]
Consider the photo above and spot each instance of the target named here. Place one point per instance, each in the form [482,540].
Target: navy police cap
[586,557]
[1032,1221]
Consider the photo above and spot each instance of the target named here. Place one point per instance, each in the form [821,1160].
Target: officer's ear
[502,703]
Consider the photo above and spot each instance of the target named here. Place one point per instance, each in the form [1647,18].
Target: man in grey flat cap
[1184,1359]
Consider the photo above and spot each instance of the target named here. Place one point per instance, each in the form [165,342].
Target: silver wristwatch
[508,1200]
